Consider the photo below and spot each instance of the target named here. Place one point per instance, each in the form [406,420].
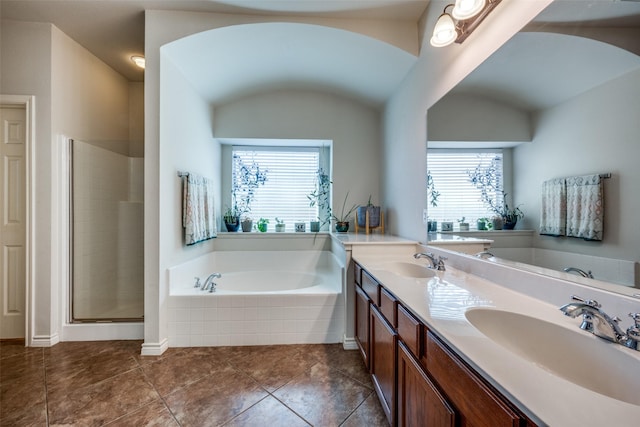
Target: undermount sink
[408,269]
[576,356]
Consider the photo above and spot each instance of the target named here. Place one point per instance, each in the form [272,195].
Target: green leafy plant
[279,221]
[488,179]
[344,216]
[246,181]
[321,197]
[262,224]
[431,190]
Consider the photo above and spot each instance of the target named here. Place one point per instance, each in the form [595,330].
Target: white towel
[585,207]
[198,209]
[553,209]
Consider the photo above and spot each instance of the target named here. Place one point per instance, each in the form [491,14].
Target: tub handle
[197,283]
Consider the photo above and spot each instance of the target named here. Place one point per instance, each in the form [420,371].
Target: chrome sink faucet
[602,325]
[435,264]
[209,283]
[582,273]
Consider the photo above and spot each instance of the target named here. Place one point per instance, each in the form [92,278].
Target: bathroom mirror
[573,73]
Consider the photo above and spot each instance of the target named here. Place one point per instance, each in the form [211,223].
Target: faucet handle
[593,303]
[636,319]
[197,282]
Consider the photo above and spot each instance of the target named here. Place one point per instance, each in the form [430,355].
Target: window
[290,176]
[458,197]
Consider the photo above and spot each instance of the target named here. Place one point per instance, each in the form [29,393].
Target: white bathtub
[262,297]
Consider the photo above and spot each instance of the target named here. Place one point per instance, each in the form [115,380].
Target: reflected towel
[553,211]
[198,211]
[585,207]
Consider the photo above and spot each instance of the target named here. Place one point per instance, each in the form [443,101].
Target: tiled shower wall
[107,234]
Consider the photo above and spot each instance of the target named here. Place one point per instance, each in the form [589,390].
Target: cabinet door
[420,403]
[382,364]
[362,324]
[475,403]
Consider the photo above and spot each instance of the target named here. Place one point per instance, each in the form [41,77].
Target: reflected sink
[408,269]
[576,356]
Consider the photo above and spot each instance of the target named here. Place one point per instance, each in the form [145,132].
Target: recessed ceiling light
[138,60]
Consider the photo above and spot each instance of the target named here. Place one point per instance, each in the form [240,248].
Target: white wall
[405,125]
[26,70]
[596,132]
[458,117]
[353,128]
[38,59]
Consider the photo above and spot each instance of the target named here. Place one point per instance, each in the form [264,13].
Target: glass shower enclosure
[107,241]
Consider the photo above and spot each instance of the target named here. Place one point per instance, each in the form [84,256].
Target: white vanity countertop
[363,238]
[454,239]
[440,302]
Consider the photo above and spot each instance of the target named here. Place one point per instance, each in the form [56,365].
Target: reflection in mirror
[562,98]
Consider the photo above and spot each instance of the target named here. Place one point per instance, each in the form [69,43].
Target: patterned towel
[585,207]
[198,209]
[553,211]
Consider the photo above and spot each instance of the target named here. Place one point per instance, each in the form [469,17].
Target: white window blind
[291,176]
[458,197]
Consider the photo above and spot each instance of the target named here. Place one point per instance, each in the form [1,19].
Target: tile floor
[109,383]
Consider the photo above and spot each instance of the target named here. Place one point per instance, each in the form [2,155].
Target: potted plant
[231,220]
[246,181]
[488,180]
[280,225]
[342,221]
[320,197]
[262,225]
[464,226]
[432,225]
[372,211]
[482,223]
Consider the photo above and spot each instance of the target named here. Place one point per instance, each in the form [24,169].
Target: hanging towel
[198,213]
[553,213]
[585,207]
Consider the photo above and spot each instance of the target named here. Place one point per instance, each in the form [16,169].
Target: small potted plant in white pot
[464,226]
[280,225]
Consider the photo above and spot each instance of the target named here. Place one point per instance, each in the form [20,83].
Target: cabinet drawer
[474,401]
[410,331]
[357,273]
[371,287]
[388,304]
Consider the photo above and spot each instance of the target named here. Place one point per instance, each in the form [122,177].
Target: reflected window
[456,196]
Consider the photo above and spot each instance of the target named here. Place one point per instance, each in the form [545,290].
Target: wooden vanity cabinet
[475,402]
[362,312]
[382,362]
[420,403]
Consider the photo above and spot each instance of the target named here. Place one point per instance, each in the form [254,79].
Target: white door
[12,221]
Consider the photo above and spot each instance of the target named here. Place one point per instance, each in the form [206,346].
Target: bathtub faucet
[435,264]
[579,271]
[209,283]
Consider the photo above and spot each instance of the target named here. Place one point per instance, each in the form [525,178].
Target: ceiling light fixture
[138,60]
[465,16]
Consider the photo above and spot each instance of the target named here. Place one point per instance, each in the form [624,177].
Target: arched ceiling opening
[538,70]
[236,61]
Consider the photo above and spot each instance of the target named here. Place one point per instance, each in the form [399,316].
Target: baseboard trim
[349,343]
[154,349]
[44,340]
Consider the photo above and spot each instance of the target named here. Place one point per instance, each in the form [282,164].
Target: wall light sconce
[465,16]
[138,60]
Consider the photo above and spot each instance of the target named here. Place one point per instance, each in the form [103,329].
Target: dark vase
[508,225]
[374,216]
[432,226]
[342,226]
[232,226]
